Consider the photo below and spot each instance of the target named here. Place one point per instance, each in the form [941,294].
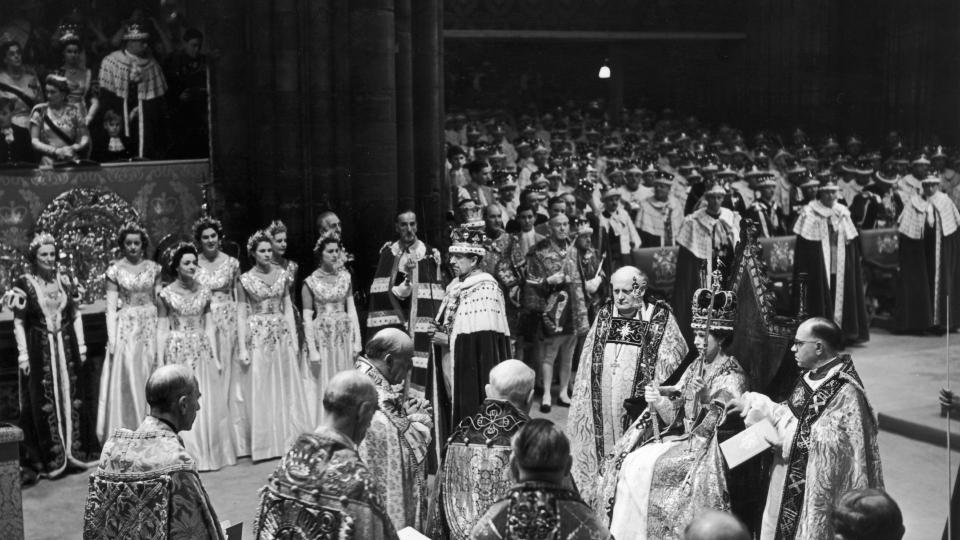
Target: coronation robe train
[707,243]
[395,449]
[656,488]
[474,312]
[620,357]
[475,470]
[147,486]
[57,432]
[929,274]
[322,489]
[828,251]
[828,446]
[415,311]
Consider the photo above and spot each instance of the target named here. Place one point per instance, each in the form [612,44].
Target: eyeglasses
[797,343]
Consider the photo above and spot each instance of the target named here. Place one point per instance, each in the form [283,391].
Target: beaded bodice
[221,278]
[185,312]
[264,299]
[135,287]
[329,296]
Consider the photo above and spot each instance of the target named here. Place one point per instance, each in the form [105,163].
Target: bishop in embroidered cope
[826,443]
[621,355]
[397,443]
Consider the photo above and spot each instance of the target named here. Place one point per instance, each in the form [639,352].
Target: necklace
[324,272]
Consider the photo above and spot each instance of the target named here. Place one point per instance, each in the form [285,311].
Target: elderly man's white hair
[346,391]
[513,381]
[167,384]
[630,272]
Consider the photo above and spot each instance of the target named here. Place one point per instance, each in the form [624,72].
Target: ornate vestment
[656,488]
[396,447]
[620,357]
[540,511]
[828,446]
[475,471]
[147,486]
[928,263]
[414,313]
[322,489]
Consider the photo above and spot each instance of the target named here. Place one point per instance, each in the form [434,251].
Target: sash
[56,130]
[806,405]
[645,335]
[27,100]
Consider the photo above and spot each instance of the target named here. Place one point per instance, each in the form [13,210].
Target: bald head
[388,341]
[168,384]
[512,380]
[391,352]
[627,273]
[346,391]
[713,525]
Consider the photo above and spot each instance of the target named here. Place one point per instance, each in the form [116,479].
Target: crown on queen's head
[718,306]
[468,239]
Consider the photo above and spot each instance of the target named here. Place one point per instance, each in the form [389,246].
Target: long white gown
[236,377]
[332,332]
[209,440]
[122,402]
[278,408]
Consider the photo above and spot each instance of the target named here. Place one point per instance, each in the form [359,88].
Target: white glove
[593,284]
[402,290]
[557,278]
[651,393]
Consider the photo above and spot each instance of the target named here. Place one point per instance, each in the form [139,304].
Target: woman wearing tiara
[50,345]
[277,231]
[58,130]
[185,335]
[268,343]
[218,273]
[333,337]
[132,285]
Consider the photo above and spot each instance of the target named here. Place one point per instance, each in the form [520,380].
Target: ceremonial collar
[836,210]
[166,423]
[418,249]
[821,373]
[642,314]
[336,436]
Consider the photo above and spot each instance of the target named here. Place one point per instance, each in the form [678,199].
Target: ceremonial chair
[778,253]
[660,266]
[881,266]
[281,516]
[469,491]
[148,506]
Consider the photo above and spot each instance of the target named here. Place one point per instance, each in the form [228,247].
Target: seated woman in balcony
[57,128]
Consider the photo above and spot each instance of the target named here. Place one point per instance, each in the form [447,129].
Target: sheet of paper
[409,533]
[748,443]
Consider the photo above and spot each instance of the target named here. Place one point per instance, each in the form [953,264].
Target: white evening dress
[278,408]
[332,332]
[235,376]
[122,401]
[209,440]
